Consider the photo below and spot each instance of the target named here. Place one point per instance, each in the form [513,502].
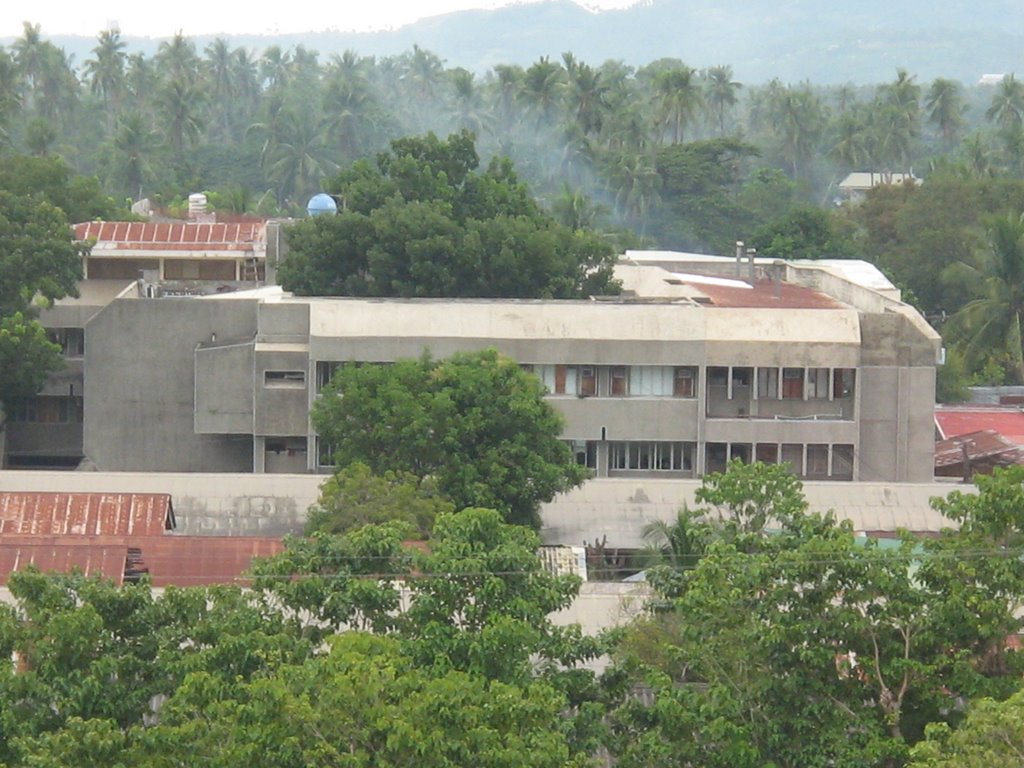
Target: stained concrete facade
[805,365]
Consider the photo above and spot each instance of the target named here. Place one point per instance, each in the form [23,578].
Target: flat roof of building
[584,320]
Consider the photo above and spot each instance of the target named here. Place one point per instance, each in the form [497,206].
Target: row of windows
[622,381]
[815,460]
[47,410]
[784,383]
[680,381]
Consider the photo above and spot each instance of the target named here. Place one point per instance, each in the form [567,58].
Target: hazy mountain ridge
[792,40]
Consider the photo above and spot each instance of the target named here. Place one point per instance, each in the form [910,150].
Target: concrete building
[817,364]
[47,430]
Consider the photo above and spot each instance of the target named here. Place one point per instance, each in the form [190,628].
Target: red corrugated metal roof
[953,421]
[767,294]
[135,236]
[187,561]
[84,514]
[106,560]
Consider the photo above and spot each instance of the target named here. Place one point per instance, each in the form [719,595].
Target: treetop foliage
[423,222]
[475,423]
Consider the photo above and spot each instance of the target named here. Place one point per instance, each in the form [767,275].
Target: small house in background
[856,185]
[975,439]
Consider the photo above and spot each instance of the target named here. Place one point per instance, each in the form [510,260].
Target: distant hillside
[861,42]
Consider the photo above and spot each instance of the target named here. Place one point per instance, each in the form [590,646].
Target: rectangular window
[793,454]
[71,340]
[651,381]
[651,456]
[685,378]
[842,385]
[817,383]
[842,462]
[559,379]
[768,383]
[618,385]
[817,460]
[716,457]
[289,379]
[718,376]
[588,381]
[585,452]
[324,373]
[741,451]
[792,383]
[767,453]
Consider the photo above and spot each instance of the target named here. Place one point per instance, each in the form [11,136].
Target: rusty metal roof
[174,236]
[188,561]
[83,514]
[983,444]
[65,555]
[183,561]
[767,294]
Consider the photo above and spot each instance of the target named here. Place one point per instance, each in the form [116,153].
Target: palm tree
[797,117]
[682,543]
[543,82]
[720,94]
[298,161]
[586,95]
[1007,108]
[946,109]
[28,55]
[469,112]
[134,143]
[140,79]
[678,97]
[219,73]
[348,104]
[106,71]
[993,321]
[179,103]
[177,59]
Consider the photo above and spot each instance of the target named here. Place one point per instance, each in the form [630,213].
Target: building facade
[818,365]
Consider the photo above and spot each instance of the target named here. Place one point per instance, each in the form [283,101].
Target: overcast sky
[162,18]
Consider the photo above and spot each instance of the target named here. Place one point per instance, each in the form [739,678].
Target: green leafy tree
[992,734]
[354,497]
[475,422]
[423,222]
[804,233]
[793,643]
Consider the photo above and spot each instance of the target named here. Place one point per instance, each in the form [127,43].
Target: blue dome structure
[321,204]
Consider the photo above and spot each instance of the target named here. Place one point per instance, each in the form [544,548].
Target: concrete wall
[224,404]
[140,385]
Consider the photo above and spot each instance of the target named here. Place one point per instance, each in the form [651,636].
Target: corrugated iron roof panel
[91,559]
[84,514]
[954,421]
[187,561]
[240,236]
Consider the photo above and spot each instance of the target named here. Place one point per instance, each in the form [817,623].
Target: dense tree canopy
[39,261]
[791,642]
[424,222]
[475,423]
